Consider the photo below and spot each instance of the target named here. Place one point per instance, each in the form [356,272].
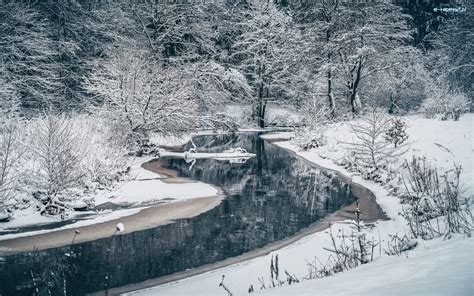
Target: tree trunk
[261,113]
[332,107]
[354,98]
[262,104]
[392,106]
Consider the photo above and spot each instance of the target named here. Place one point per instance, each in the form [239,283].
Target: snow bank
[146,188]
[152,191]
[163,141]
[437,268]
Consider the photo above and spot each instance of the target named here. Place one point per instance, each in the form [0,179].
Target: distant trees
[348,45]
[252,52]
[174,31]
[370,44]
[453,56]
[27,56]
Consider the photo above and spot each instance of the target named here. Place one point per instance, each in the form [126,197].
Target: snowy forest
[93,91]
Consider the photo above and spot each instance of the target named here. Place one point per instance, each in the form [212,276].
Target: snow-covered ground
[436,267]
[145,188]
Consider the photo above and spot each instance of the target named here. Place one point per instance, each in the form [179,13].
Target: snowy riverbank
[128,199]
[434,267]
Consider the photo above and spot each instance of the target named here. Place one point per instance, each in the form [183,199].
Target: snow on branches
[141,96]
[372,147]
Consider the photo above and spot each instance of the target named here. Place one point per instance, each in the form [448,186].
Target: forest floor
[435,267]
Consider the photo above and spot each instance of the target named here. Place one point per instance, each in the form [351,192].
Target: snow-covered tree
[11,152]
[261,52]
[57,155]
[370,44]
[370,151]
[320,22]
[397,132]
[402,87]
[140,96]
[27,55]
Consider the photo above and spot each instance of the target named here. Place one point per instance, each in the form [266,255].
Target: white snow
[172,140]
[435,267]
[149,191]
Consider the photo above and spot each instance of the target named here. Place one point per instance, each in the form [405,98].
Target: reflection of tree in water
[50,275]
[268,198]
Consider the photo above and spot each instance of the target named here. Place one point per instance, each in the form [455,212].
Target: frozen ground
[435,267]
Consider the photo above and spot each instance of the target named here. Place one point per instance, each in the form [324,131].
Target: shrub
[436,204]
[447,104]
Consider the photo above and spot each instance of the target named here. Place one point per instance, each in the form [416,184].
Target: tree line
[167,66]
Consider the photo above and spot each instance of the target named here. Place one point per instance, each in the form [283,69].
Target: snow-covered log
[234,153]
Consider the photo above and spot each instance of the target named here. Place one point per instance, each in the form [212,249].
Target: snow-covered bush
[104,158]
[436,203]
[308,139]
[445,103]
[369,152]
[316,117]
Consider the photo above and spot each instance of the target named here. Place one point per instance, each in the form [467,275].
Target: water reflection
[268,198]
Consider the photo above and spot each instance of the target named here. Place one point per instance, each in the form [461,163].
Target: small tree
[397,132]
[370,151]
[449,104]
[57,154]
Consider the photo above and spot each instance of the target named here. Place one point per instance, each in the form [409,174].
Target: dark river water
[267,198]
